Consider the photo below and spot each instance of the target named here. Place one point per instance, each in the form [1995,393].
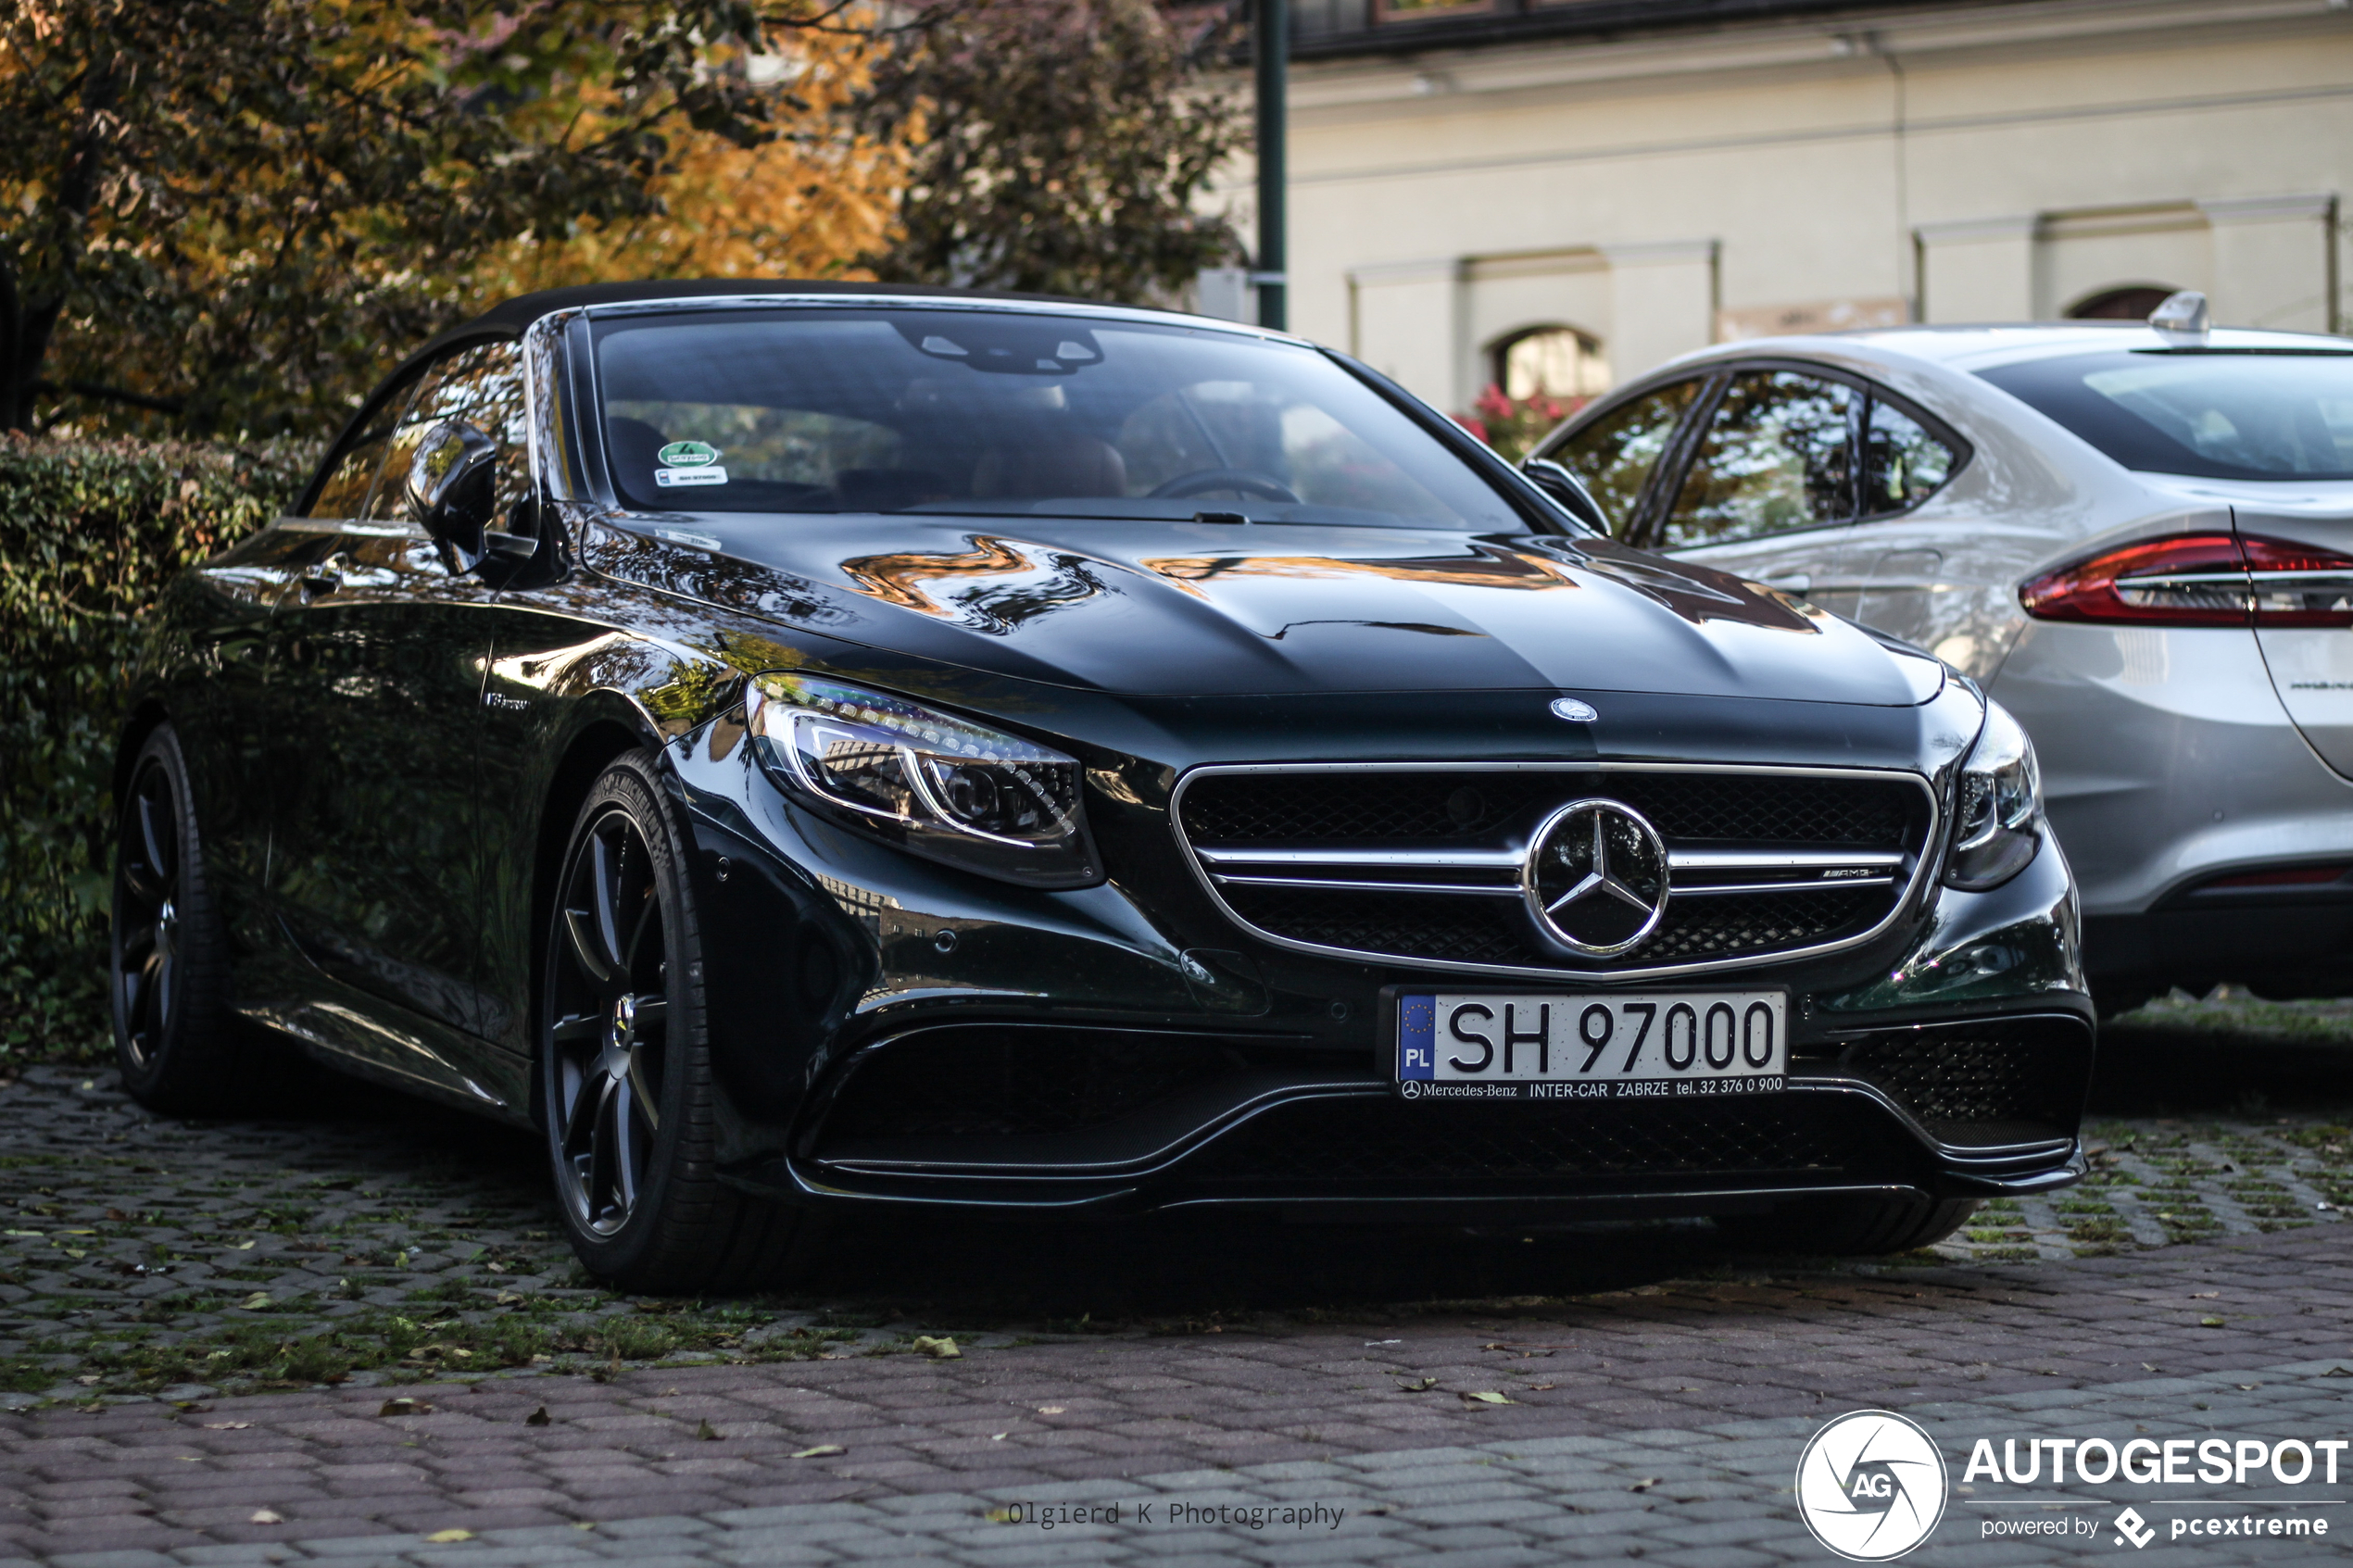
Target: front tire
[625,1083]
[175,1033]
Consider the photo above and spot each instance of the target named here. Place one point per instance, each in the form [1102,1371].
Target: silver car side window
[1778,455]
[1615,454]
[1902,464]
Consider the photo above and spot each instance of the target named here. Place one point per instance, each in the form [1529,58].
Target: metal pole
[1274,66]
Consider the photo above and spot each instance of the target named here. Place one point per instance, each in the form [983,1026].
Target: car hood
[1151,608]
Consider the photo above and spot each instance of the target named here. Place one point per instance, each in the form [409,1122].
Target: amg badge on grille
[1595,878]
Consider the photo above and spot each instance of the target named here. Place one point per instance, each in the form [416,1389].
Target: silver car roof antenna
[2183,317]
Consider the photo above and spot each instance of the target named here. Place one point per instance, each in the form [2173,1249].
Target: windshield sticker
[666,478]
[680,537]
[688,455]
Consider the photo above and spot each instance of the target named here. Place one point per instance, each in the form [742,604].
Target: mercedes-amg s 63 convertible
[810,747]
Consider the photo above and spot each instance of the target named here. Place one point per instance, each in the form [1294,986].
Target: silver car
[2138,538]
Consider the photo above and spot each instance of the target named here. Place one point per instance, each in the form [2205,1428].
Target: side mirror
[453,489]
[1567,489]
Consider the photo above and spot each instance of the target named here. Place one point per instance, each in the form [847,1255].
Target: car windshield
[2214,415]
[965,411]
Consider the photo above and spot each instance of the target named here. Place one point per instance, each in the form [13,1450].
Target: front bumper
[893,1034]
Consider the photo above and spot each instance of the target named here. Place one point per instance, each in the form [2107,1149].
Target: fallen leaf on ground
[449,1537]
[267,1516]
[2209,1322]
[1488,1397]
[939,1350]
[1001,1515]
[117,1214]
[87,1379]
[1418,1385]
[1645,1484]
[255,1301]
[1050,1410]
[997,1436]
[192,1406]
[1540,1387]
[537,1418]
[244,1247]
[226,1425]
[406,1405]
[707,1432]
[506,1298]
[822,1450]
[2204,1295]
[2338,1372]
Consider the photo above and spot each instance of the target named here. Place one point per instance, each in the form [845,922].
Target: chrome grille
[1423,863]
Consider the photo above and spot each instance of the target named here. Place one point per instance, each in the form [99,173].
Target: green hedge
[90,533]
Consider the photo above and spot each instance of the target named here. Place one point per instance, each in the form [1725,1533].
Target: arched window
[1558,362]
[2120,305]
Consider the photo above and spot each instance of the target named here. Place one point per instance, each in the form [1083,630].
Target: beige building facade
[1634,181]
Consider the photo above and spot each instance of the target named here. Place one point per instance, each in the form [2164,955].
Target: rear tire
[176,1035]
[1849,1226]
[625,1085]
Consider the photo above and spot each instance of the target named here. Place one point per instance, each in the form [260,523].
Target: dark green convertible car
[811,747]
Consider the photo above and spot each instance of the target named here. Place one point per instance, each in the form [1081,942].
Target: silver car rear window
[2210,414]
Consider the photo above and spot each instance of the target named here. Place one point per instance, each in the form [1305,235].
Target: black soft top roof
[509,317]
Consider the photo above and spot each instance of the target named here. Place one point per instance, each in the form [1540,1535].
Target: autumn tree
[227,213]
[1067,146]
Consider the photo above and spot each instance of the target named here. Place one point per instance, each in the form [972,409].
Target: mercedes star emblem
[1595,878]
[1576,713]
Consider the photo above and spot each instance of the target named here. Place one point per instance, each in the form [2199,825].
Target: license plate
[1644,1045]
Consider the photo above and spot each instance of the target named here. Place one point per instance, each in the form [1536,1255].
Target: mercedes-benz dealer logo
[1595,878]
[1871,1485]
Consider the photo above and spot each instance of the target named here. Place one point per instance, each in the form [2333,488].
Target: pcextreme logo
[1871,1485]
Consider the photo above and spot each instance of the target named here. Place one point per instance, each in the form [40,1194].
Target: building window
[2119,304]
[1554,361]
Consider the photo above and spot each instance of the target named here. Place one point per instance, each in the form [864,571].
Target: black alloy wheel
[168,974]
[625,1087]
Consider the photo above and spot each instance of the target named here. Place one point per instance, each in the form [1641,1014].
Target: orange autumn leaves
[806,205]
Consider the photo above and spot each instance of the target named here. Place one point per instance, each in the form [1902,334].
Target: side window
[482,385]
[1615,455]
[1902,464]
[1778,455]
[345,494]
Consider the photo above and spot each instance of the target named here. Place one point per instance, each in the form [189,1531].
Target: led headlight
[1997,819]
[941,787]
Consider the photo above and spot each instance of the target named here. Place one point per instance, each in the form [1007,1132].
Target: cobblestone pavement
[202,1324]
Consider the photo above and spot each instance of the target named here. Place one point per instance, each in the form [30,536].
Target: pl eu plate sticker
[1416,1030]
[689,462]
